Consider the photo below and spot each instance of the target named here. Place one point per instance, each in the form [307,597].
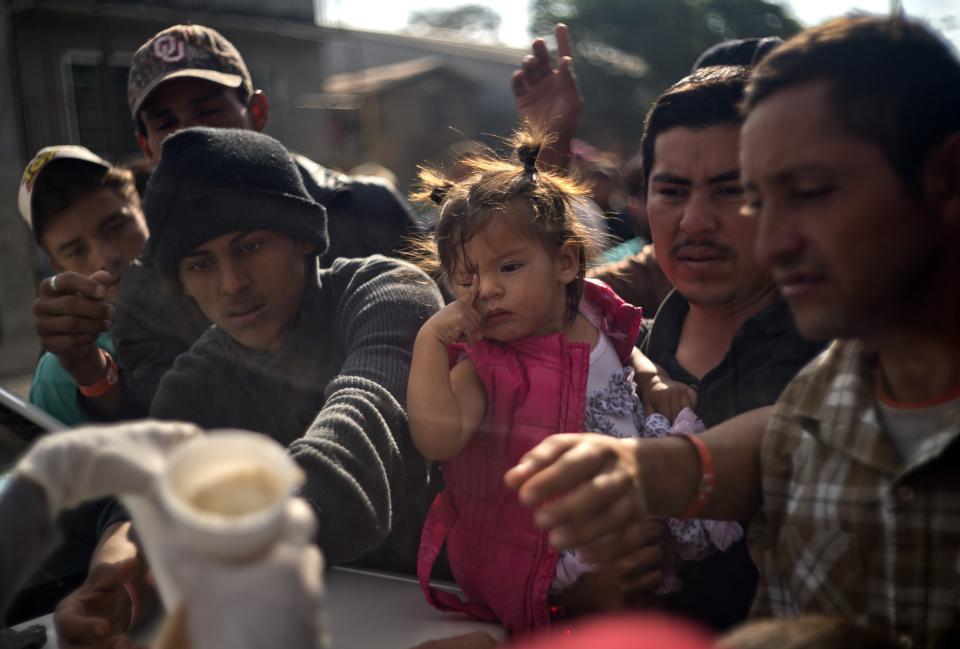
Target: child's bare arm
[659,392]
[445,406]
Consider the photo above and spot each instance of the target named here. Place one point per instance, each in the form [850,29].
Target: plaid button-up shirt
[847,528]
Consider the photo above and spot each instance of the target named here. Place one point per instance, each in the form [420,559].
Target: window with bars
[95,93]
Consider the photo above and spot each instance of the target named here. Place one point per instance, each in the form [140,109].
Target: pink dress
[535,387]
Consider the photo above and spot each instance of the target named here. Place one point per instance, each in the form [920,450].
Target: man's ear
[259,109]
[942,179]
[144,145]
[568,261]
[306,247]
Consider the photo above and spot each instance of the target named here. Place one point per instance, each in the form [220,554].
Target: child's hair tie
[439,193]
[528,154]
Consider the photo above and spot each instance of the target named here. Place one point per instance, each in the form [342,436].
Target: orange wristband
[701,498]
[102,386]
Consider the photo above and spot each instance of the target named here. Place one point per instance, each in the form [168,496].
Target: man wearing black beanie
[316,358]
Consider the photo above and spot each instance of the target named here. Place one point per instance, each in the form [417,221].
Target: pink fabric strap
[438,524]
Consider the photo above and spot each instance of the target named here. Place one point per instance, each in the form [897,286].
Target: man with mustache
[724,330]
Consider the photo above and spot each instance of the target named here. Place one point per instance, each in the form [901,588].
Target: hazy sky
[392,15]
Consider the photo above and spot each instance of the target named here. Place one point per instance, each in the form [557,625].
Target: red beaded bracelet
[102,386]
[701,498]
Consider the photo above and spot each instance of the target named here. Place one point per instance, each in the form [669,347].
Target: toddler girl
[537,350]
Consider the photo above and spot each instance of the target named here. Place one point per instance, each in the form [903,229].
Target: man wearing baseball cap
[190,75]
[86,215]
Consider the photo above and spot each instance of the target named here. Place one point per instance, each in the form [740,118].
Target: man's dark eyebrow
[112,218]
[786,175]
[667,177]
[198,252]
[63,247]
[156,114]
[213,94]
[242,234]
[725,177]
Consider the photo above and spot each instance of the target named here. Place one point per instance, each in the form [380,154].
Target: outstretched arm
[548,96]
[445,406]
[595,492]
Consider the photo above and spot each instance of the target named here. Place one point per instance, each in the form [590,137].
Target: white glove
[273,600]
[97,461]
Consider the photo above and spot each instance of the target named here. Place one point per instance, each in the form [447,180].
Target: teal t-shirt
[55,392]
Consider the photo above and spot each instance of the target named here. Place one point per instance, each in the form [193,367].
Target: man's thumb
[114,574]
[102,277]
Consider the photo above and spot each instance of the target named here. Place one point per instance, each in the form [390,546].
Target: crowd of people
[751,416]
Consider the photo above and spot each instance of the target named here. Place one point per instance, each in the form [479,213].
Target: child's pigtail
[439,193]
[433,187]
[528,152]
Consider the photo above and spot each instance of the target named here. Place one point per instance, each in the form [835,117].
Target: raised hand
[458,321]
[69,314]
[547,95]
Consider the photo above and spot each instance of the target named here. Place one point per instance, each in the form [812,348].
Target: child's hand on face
[458,321]
[668,397]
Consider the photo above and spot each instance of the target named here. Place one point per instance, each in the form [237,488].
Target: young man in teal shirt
[86,215]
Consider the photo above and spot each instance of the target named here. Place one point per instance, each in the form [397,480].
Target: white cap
[40,161]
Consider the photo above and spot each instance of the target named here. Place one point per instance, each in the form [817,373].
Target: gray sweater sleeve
[362,467]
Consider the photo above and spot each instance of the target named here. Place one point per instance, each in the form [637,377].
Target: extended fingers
[519,84]
[72,304]
[601,507]
[76,627]
[71,282]
[639,561]
[540,457]
[562,33]
[579,464]
[612,548]
[68,325]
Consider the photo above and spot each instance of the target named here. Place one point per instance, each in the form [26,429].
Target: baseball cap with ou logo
[191,51]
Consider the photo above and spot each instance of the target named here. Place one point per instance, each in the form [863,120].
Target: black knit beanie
[210,182]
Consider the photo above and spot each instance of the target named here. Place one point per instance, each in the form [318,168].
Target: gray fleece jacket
[335,394]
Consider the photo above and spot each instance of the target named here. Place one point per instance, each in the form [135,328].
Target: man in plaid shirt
[850,157]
